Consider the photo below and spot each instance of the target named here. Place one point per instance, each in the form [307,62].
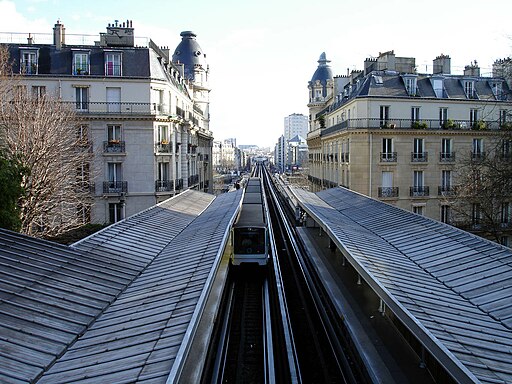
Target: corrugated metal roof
[137,282]
[447,285]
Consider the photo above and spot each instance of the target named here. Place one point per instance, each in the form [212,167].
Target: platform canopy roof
[118,306]
[452,289]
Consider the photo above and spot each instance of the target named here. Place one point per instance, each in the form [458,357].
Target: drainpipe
[370,164]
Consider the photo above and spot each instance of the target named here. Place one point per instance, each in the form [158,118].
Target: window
[80,63]
[113,133]
[418,209]
[410,85]
[38,91]
[506,152]
[114,172]
[505,213]
[497,89]
[443,116]
[473,116]
[418,179]
[475,213]
[446,150]
[469,88]
[115,212]
[387,150]
[163,134]
[504,240]
[478,148]
[28,65]
[445,213]
[503,117]
[446,181]
[82,133]
[384,115]
[415,113]
[437,84]
[112,64]
[113,99]
[82,98]
[163,171]
[418,153]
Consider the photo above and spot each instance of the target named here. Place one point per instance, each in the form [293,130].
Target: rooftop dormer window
[28,61]
[411,85]
[438,86]
[469,89]
[80,63]
[113,64]
[497,89]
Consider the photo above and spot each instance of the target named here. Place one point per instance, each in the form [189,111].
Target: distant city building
[145,113]
[297,152]
[227,157]
[396,135]
[280,154]
[295,124]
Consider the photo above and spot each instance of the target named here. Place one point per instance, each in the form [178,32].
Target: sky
[263,53]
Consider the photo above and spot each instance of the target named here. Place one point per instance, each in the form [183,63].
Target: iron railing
[164,185]
[417,191]
[114,146]
[388,191]
[409,124]
[388,157]
[115,186]
[419,157]
[447,157]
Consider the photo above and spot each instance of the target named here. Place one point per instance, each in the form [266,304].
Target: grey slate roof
[453,289]
[114,307]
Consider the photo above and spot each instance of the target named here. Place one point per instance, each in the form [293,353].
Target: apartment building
[397,135]
[144,112]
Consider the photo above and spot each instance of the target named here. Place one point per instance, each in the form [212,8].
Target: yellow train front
[250,231]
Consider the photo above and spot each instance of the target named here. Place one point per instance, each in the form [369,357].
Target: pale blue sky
[263,53]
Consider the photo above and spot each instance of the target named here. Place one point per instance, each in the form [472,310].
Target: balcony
[114,146]
[419,157]
[388,157]
[115,186]
[178,184]
[163,147]
[387,192]
[446,190]
[193,180]
[120,108]
[408,124]
[164,185]
[477,156]
[447,157]
[417,191]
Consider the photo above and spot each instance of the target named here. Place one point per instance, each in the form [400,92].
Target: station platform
[414,292]
[131,303]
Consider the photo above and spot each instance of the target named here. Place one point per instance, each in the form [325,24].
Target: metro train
[249,234]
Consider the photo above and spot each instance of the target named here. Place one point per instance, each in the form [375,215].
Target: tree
[11,176]
[483,198]
[40,132]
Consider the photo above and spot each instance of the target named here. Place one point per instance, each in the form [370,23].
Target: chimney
[59,34]
[472,70]
[30,39]
[442,64]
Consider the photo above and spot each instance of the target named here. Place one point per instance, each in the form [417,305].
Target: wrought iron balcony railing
[114,146]
[115,186]
[419,157]
[447,157]
[446,190]
[164,185]
[388,192]
[388,157]
[417,191]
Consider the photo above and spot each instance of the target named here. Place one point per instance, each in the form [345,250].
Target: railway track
[275,324]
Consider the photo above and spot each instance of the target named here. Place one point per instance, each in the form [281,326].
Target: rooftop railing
[408,124]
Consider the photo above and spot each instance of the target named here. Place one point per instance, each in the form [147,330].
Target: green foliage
[419,125]
[11,176]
